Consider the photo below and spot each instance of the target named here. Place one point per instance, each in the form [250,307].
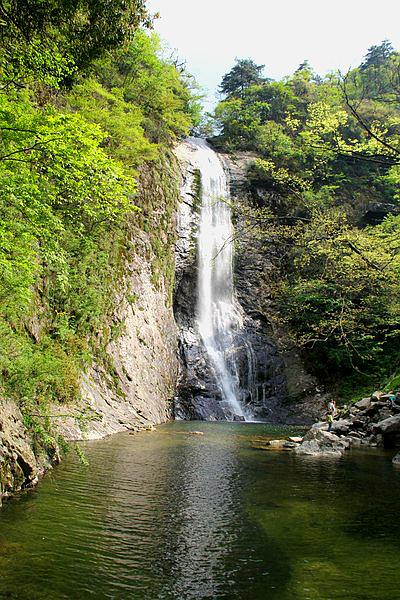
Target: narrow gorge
[199,303]
[185,346]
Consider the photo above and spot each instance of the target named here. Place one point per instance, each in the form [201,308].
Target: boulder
[355,441]
[396,459]
[319,425]
[359,422]
[390,425]
[279,445]
[341,426]
[318,442]
[364,403]
[295,439]
[374,408]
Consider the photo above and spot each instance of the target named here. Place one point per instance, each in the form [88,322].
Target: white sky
[210,34]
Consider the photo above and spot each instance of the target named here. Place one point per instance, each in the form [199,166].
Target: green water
[167,515]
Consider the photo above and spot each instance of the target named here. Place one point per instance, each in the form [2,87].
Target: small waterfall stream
[219,315]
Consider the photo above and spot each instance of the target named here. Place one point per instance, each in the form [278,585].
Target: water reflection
[171,516]
[201,515]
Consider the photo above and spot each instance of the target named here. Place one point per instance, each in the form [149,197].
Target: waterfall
[219,315]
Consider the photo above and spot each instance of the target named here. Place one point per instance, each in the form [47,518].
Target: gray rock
[341,426]
[359,422]
[318,442]
[20,468]
[374,408]
[396,459]
[253,354]
[319,425]
[364,403]
[390,425]
[355,441]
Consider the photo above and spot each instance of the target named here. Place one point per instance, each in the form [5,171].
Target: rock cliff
[132,384]
[132,379]
[20,466]
[266,361]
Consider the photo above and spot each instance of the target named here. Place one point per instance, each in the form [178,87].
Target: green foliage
[50,42]
[327,148]
[125,139]
[377,56]
[69,204]
[167,98]
[61,198]
[341,299]
[244,74]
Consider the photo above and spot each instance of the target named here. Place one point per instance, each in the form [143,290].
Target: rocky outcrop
[318,442]
[134,386]
[132,380]
[20,468]
[373,422]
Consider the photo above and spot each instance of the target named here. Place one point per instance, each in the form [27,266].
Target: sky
[331,34]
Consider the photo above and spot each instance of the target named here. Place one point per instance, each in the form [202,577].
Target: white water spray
[219,314]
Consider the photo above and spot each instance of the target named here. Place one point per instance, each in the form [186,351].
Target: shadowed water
[167,515]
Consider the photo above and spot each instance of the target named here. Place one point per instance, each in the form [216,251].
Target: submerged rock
[396,459]
[318,442]
[277,444]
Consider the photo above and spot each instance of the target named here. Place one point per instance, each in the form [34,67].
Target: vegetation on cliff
[325,186]
[87,104]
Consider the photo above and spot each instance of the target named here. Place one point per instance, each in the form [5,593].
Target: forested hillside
[324,184]
[86,100]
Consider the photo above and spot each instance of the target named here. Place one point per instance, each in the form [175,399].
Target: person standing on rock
[329,418]
[332,408]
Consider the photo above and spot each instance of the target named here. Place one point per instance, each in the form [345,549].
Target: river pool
[168,515]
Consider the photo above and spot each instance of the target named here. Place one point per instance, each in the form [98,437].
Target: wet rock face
[260,370]
[19,467]
[132,382]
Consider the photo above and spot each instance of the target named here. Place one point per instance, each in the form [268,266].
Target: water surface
[167,515]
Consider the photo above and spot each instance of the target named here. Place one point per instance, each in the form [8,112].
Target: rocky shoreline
[371,422]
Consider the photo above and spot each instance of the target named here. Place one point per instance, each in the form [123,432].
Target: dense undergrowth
[325,190]
[88,108]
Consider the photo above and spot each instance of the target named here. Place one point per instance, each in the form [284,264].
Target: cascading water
[218,313]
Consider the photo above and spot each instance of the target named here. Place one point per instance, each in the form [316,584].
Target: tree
[377,55]
[50,41]
[244,74]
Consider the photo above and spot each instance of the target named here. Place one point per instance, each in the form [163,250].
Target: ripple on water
[172,516]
